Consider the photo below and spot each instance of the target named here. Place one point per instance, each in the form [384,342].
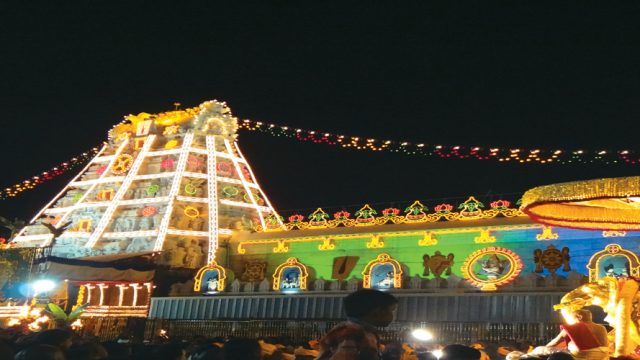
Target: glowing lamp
[42,286]
[422,334]
[437,353]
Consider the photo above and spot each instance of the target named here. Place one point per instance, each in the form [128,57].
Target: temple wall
[405,249]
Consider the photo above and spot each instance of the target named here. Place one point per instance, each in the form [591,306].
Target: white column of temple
[255,182]
[247,189]
[212,194]
[108,213]
[55,198]
[84,196]
[175,188]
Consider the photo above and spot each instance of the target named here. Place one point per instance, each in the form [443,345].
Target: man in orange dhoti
[586,340]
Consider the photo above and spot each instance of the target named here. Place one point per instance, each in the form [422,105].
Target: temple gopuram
[168,222]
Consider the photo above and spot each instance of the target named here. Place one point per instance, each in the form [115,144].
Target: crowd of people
[354,339]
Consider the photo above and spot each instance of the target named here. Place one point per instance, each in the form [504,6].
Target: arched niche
[210,279]
[614,261]
[383,272]
[290,276]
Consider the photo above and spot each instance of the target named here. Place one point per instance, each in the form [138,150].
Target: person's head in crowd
[276,355]
[525,346]
[426,355]
[242,349]
[87,351]
[124,337]
[170,351]
[583,315]
[118,351]
[6,351]
[371,306]
[207,352]
[349,342]
[54,337]
[41,352]
[485,349]
[560,356]
[143,352]
[392,351]
[459,352]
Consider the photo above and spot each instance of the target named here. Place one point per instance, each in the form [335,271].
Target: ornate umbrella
[600,204]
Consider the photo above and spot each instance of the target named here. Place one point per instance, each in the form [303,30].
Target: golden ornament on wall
[552,259]
[122,164]
[254,271]
[437,264]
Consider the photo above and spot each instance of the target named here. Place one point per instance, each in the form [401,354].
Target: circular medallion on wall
[491,267]
[121,164]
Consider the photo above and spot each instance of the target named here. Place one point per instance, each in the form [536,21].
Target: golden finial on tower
[177,105]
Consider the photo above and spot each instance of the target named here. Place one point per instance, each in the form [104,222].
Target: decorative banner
[491,267]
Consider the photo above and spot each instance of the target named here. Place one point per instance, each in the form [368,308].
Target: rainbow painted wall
[408,243]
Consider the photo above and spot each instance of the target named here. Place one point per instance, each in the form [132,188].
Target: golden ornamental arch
[291,263]
[596,263]
[491,267]
[382,259]
[211,268]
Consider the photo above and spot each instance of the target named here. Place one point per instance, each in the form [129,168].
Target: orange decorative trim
[415,213]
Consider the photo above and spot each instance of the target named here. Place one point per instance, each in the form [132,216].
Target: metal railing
[298,331]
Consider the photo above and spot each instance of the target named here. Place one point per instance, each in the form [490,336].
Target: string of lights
[508,155]
[485,153]
[48,175]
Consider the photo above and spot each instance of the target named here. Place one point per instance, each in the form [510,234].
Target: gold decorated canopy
[600,204]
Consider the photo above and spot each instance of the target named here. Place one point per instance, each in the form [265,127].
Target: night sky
[517,74]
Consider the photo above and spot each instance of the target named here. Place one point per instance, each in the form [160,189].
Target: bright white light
[422,334]
[437,353]
[44,285]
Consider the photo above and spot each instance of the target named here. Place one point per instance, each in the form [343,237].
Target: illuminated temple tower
[174,182]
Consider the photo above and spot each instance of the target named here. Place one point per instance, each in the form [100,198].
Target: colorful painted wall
[523,240]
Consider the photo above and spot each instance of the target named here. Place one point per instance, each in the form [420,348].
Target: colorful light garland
[506,155]
[518,155]
[54,172]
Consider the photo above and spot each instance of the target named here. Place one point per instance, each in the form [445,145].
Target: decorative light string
[507,155]
[50,174]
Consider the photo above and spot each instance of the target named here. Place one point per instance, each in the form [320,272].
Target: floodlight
[42,286]
[422,334]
